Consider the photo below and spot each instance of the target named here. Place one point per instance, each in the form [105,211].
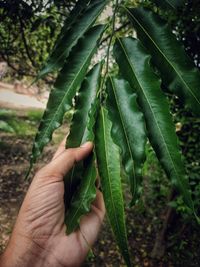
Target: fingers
[98,203]
[62,163]
[60,149]
[91,223]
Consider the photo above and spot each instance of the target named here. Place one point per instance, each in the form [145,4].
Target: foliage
[187,130]
[185,23]
[116,114]
[28,31]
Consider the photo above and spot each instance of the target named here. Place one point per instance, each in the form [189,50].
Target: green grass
[35,115]
[23,123]
[19,123]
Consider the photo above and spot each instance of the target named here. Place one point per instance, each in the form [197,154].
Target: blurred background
[161,231]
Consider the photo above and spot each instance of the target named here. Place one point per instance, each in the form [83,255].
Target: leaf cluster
[119,113]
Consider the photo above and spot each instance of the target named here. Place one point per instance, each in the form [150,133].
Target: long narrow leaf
[109,169]
[128,130]
[66,85]
[81,129]
[82,199]
[133,61]
[71,36]
[84,100]
[86,192]
[76,12]
[172,4]
[176,68]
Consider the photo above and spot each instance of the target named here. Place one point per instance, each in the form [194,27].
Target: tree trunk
[160,242]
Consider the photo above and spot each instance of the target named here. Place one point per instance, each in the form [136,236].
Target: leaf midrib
[65,95]
[170,4]
[169,62]
[83,198]
[74,42]
[109,179]
[127,140]
[180,183]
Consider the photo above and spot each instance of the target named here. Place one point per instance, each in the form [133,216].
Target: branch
[25,42]
[6,58]
[100,92]
[117,30]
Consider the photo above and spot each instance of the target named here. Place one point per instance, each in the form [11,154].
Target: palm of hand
[41,218]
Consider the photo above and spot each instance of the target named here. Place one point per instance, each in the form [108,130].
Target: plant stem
[101,90]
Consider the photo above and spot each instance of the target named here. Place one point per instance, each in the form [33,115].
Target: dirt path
[14,100]
[21,97]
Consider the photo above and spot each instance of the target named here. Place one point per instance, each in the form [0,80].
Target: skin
[39,236]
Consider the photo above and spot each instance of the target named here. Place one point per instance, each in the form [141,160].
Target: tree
[28,31]
[118,113]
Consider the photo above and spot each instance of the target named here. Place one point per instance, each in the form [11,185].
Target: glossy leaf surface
[172,4]
[108,161]
[82,199]
[81,129]
[84,100]
[128,130]
[177,70]
[74,15]
[80,23]
[66,85]
[134,63]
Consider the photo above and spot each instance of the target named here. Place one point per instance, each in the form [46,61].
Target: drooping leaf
[81,129]
[172,4]
[76,12]
[89,133]
[134,63]
[84,100]
[82,199]
[176,68]
[108,161]
[128,130]
[69,37]
[66,85]
[86,192]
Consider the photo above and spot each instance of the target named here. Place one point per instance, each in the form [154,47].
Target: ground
[14,163]
[142,222]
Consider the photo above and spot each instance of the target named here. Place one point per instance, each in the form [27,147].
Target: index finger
[58,167]
[60,149]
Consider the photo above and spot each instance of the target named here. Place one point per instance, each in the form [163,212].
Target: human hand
[39,236]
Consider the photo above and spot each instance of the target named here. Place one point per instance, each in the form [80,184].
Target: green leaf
[82,199]
[78,206]
[108,161]
[89,133]
[76,12]
[176,68]
[172,4]
[66,85]
[128,130]
[69,38]
[82,125]
[134,63]
[84,100]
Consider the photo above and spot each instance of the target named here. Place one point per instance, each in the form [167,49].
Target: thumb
[60,165]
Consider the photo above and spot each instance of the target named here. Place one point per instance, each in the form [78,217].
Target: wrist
[21,252]
[24,252]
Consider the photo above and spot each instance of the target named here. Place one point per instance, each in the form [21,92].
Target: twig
[108,51]
[25,42]
[117,30]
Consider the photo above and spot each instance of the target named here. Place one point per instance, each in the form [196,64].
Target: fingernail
[86,144]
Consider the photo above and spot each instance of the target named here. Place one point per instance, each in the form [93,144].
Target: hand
[39,236]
